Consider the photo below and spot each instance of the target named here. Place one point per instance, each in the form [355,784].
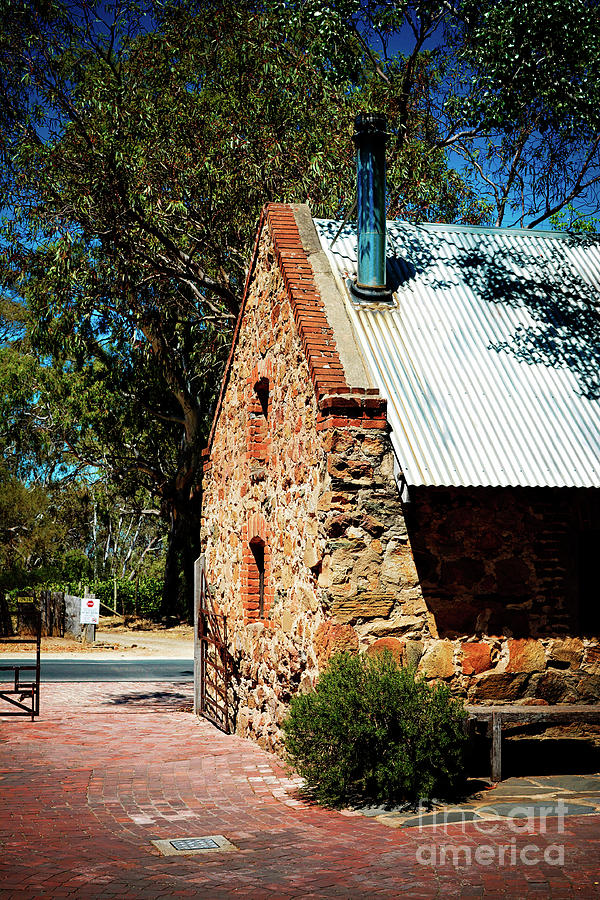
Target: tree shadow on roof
[543,277]
[549,278]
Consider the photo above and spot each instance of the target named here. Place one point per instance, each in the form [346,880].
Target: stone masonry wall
[499,561]
[312,483]
[309,550]
[279,489]
[500,574]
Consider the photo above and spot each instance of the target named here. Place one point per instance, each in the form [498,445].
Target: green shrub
[372,730]
[143,599]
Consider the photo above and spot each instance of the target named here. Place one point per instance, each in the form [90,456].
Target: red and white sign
[90,611]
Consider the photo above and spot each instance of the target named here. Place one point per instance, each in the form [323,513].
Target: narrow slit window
[262,393]
[258,552]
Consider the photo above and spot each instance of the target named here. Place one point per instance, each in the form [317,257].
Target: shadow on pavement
[170,700]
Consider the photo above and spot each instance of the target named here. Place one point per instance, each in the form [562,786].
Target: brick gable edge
[339,405]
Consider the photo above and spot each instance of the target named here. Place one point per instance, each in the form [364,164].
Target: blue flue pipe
[370,137]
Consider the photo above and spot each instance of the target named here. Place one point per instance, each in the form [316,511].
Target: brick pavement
[108,768]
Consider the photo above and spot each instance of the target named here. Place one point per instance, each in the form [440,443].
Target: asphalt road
[109,670]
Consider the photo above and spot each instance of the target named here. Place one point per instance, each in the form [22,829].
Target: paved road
[151,669]
[108,769]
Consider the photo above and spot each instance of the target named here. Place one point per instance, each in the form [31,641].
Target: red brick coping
[339,404]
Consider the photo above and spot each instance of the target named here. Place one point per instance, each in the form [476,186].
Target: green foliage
[527,89]
[26,531]
[372,730]
[533,60]
[138,143]
[74,566]
[142,597]
[569,219]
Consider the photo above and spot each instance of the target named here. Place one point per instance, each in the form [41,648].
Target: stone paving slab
[545,796]
[107,769]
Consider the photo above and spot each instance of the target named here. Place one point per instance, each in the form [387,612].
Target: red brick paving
[109,767]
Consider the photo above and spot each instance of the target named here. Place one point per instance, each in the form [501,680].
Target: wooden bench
[496,716]
[23,696]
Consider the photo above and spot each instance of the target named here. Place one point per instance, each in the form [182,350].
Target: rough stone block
[499,686]
[588,688]
[591,660]
[312,554]
[476,658]
[438,660]
[331,638]
[339,440]
[346,548]
[324,577]
[567,653]
[325,499]
[373,445]
[395,647]
[367,564]
[524,656]
[367,605]
[287,621]
[372,526]
[398,565]
[413,651]
[336,526]
[556,687]
[243,720]
[349,469]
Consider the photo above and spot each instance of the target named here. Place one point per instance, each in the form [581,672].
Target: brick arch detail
[256,527]
[258,437]
[255,530]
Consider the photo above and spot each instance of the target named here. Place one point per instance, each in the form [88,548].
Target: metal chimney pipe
[370,137]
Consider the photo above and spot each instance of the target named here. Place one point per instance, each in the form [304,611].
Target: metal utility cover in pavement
[209,843]
[195,844]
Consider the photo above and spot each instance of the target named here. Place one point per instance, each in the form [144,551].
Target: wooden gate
[213,660]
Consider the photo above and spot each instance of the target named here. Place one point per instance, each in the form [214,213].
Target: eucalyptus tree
[140,141]
[510,89]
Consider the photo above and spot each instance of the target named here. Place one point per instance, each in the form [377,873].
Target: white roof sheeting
[490,357]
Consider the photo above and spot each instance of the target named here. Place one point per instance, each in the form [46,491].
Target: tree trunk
[6,629]
[183,549]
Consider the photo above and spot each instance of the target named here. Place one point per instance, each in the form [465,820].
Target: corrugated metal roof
[490,357]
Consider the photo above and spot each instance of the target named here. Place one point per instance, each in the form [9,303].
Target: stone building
[419,473]
[405,456]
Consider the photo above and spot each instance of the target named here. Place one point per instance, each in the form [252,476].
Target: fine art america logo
[519,820]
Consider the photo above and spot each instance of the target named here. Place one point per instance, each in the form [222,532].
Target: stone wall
[277,486]
[367,570]
[309,550]
[303,468]
[503,560]
[495,605]
[500,571]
